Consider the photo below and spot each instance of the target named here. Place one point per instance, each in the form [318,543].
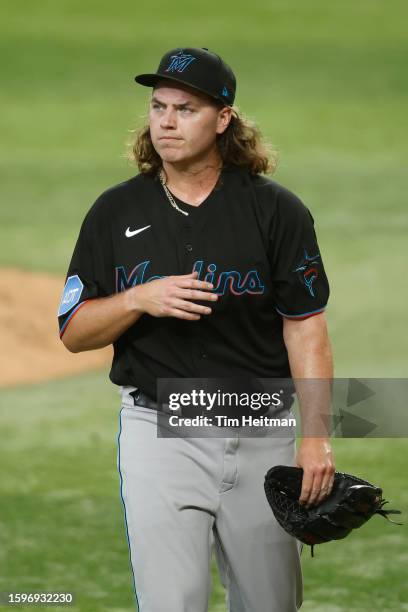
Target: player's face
[183,124]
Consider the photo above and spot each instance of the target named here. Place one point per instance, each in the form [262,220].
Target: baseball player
[198,267]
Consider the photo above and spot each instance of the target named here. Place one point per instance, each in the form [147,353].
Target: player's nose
[169,119]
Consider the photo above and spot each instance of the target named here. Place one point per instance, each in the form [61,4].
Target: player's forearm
[308,345]
[312,359]
[311,365]
[101,321]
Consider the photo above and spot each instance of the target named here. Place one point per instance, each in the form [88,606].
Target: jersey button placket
[200,355]
[187,246]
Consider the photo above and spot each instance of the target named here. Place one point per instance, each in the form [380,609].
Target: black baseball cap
[198,68]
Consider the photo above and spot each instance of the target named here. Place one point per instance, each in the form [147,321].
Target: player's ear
[224,117]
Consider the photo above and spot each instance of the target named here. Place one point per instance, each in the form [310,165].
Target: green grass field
[327,83]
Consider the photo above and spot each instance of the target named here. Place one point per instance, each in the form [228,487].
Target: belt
[141,399]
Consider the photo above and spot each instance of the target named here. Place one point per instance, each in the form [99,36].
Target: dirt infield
[31,350]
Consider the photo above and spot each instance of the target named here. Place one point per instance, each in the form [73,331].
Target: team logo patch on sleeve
[307,270]
[71,294]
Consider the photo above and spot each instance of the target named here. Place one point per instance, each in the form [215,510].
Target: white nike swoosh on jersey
[129,234]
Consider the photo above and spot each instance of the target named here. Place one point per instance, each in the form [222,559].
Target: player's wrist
[134,300]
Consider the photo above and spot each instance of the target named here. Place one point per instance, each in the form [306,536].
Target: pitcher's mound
[31,350]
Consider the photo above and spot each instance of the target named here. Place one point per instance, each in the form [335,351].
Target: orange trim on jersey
[308,316]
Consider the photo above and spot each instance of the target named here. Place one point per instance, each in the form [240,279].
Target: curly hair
[241,144]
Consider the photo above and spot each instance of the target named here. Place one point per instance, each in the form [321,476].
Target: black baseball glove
[350,504]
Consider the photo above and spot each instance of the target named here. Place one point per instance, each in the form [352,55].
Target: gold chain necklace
[169,195]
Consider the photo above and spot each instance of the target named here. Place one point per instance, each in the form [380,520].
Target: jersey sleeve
[89,272]
[299,281]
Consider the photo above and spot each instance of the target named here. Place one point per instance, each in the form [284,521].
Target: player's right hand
[172,297]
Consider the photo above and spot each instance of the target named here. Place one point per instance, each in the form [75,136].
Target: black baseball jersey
[251,237]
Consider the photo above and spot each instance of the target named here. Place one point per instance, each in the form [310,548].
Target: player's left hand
[315,456]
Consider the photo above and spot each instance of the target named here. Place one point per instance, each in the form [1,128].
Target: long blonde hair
[241,144]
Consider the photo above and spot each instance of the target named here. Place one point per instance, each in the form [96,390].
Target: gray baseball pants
[183,498]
